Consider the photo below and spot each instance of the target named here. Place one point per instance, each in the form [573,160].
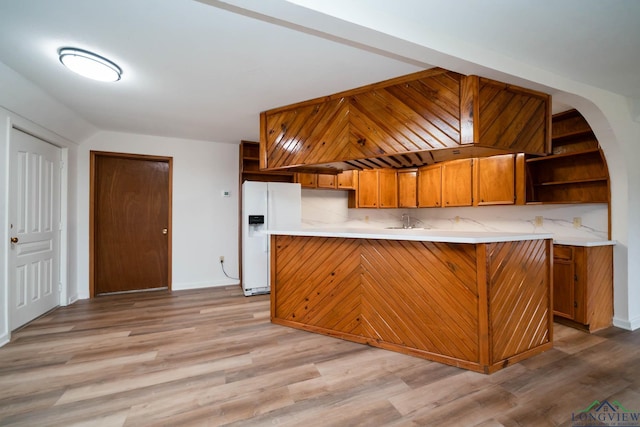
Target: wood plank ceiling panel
[308,134]
[511,119]
[318,282]
[412,116]
[419,312]
[436,100]
[519,294]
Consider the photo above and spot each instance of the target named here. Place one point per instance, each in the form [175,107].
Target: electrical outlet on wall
[577,222]
[221,258]
[538,221]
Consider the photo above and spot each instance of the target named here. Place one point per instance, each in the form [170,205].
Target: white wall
[205,224]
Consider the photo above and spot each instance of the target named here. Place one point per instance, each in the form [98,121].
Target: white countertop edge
[586,242]
[421,235]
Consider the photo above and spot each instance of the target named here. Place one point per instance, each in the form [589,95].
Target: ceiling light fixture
[89,64]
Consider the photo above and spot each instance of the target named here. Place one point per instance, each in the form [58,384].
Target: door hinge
[61,164]
[59,287]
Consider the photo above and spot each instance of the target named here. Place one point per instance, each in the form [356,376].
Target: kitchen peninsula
[479,301]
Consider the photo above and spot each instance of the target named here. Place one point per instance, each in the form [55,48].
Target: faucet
[406,220]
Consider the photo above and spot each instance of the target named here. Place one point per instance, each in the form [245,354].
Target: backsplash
[325,208]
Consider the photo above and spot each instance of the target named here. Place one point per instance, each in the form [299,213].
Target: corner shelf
[576,172]
[250,166]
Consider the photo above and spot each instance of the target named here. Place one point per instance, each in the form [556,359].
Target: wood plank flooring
[211,357]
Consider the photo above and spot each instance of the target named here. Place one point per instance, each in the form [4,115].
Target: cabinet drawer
[562,252]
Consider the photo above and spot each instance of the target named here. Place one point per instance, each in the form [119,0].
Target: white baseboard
[176,287]
[4,339]
[630,325]
[201,285]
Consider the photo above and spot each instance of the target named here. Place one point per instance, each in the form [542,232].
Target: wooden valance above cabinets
[410,121]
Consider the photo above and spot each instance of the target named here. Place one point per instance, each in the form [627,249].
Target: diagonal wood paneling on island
[477,306]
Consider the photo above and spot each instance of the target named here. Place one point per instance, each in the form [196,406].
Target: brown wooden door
[457,183]
[408,188]
[307,180]
[368,188]
[563,282]
[495,180]
[388,188]
[430,186]
[347,180]
[131,222]
[326,180]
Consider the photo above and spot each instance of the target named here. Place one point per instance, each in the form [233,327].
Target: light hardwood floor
[211,357]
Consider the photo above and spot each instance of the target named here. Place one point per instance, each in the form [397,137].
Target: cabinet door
[368,189]
[495,180]
[326,181]
[347,180]
[563,282]
[388,188]
[457,183]
[307,180]
[407,188]
[430,186]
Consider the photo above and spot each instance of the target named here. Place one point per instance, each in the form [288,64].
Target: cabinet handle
[361,141]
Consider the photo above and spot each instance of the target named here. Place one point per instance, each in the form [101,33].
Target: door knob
[14,240]
[165,231]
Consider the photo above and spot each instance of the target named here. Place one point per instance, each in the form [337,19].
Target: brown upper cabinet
[348,180]
[499,180]
[327,181]
[457,183]
[430,186]
[408,188]
[410,121]
[307,180]
[377,188]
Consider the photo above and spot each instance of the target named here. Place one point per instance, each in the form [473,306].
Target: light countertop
[414,234]
[582,241]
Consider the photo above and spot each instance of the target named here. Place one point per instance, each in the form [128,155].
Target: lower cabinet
[583,286]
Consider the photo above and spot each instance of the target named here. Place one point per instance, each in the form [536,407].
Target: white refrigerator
[265,206]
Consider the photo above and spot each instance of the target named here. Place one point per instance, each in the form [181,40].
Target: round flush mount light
[90,65]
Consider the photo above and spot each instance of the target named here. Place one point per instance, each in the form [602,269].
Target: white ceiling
[205,69]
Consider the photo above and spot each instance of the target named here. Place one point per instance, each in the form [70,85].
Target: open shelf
[571,154]
[571,182]
[576,172]
[250,166]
